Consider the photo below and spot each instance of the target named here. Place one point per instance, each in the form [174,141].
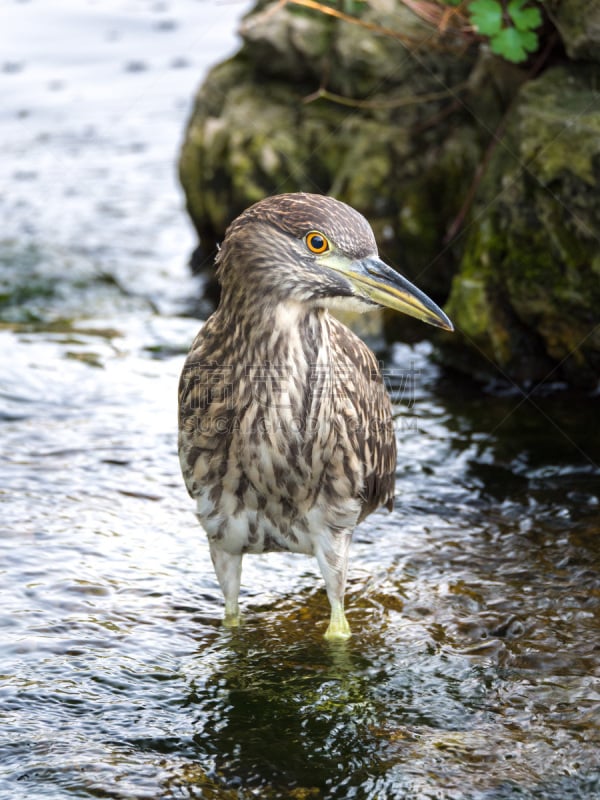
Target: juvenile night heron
[286,439]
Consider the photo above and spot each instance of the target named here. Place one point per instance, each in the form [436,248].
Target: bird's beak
[384,286]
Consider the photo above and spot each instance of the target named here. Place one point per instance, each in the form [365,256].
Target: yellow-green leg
[338,624]
[228,568]
[332,555]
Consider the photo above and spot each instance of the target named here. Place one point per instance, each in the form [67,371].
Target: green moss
[468,303]
[560,125]
[578,22]
[527,292]
[21,294]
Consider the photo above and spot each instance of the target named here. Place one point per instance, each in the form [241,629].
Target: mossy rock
[298,44]
[404,162]
[578,23]
[527,296]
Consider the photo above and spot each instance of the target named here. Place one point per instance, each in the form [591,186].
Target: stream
[473,672]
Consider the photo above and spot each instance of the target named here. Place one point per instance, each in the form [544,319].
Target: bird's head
[316,251]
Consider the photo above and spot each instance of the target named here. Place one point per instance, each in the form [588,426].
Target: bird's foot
[232,618]
[338,626]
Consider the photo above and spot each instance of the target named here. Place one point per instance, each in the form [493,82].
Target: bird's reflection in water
[288,711]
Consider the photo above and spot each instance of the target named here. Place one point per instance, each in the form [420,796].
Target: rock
[403,148]
[527,295]
[404,159]
[578,23]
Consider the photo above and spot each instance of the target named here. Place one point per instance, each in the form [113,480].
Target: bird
[286,437]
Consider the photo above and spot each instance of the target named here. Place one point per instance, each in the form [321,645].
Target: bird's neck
[290,316]
[279,357]
[285,333]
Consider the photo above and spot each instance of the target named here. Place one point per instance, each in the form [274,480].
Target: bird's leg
[228,568]
[332,556]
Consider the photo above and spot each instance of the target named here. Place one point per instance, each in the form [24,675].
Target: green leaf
[486,16]
[525,19]
[514,45]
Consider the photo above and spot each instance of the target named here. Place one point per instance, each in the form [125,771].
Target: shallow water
[473,671]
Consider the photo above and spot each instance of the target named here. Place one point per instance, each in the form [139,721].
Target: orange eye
[316,242]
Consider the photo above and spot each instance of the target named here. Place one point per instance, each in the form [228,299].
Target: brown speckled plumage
[286,438]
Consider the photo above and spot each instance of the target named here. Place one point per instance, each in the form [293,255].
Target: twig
[438,16]
[370,26]
[399,102]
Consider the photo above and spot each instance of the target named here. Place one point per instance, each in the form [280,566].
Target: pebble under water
[473,672]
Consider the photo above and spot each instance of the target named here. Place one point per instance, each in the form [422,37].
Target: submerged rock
[527,295]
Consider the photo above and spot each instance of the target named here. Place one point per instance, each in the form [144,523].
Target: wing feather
[361,384]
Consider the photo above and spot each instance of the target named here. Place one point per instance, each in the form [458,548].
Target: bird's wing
[368,413]
[205,413]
